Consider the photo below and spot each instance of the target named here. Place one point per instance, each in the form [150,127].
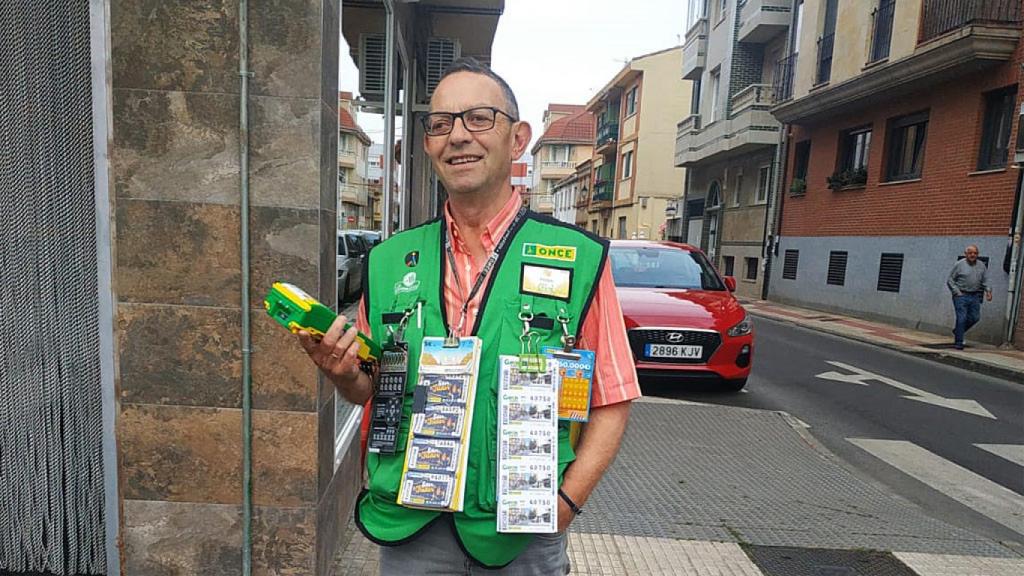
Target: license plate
[673,351]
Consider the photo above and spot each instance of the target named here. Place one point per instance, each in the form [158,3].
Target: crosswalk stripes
[973,490]
[949,565]
[1012,452]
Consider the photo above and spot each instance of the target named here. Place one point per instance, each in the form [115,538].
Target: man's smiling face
[472,162]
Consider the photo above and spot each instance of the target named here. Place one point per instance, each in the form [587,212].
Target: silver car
[351,252]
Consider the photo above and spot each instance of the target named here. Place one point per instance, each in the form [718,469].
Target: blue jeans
[968,312]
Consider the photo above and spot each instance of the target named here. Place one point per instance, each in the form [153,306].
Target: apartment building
[633,175]
[901,114]
[355,203]
[567,139]
[729,140]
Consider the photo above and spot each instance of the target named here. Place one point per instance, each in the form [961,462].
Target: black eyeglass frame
[460,115]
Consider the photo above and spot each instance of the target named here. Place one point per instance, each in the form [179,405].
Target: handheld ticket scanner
[292,308]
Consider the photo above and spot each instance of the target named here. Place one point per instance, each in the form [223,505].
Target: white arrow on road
[861,376]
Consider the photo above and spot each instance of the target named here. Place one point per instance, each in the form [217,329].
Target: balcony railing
[557,164]
[607,133]
[695,48]
[603,192]
[753,95]
[825,46]
[604,173]
[782,85]
[942,16]
[881,36]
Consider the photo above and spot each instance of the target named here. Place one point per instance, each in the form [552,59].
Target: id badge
[386,411]
[576,375]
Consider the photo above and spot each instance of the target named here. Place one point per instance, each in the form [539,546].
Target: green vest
[406,272]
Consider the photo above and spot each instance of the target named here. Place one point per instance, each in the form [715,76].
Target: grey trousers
[436,551]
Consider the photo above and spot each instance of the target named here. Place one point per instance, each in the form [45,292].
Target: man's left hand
[988,296]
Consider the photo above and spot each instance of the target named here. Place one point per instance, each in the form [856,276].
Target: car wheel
[735,385]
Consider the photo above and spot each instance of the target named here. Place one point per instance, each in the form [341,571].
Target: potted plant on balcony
[854,178]
[798,186]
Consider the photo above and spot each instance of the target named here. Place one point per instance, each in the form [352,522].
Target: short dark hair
[472,65]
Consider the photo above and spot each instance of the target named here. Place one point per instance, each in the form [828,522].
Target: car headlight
[745,326]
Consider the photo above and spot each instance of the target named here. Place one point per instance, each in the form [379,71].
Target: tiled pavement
[707,490]
[1007,363]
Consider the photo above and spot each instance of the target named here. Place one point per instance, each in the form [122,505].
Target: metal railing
[782,84]
[607,133]
[557,164]
[603,192]
[825,46]
[881,35]
[604,173]
[941,16]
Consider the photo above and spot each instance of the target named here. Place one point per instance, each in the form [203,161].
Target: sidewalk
[979,357]
[706,490]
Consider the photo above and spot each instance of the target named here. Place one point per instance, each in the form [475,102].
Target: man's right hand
[336,354]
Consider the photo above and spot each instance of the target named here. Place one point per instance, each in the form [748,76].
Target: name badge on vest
[547,281]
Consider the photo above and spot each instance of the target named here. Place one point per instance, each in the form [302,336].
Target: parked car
[682,319]
[372,237]
[351,252]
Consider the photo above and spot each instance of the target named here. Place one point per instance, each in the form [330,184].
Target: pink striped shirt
[603,329]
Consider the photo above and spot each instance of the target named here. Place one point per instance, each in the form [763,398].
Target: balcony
[556,169]
[959,37]
[346,158]
[603,194]
[607,134]
[782,84]
[763,20]
[352,194]
[750,125]
[695,49]
[882,19]
[940,17]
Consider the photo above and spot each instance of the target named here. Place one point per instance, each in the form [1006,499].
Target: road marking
[861,376]
[950,565]
[983,495]
[1012,452]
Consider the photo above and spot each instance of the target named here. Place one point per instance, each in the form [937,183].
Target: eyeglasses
[474,119]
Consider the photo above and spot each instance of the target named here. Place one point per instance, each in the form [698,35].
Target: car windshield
[662,267]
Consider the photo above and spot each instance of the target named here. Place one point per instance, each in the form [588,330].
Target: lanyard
[491,260]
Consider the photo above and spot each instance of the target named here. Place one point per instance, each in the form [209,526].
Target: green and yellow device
[292,308]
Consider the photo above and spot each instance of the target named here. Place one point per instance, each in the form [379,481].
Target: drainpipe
[1016,263]
[243,167]
[773,211]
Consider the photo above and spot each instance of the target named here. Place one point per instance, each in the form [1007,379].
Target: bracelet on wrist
[576,510]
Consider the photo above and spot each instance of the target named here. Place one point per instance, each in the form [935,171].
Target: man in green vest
[481,270]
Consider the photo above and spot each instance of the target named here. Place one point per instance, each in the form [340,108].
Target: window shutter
[890,272]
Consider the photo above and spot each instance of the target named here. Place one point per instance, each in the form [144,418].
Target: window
[728,263]
[738,190]
[627,165]
[593,226]
[631,101]
[854,146]
[720,6]
[716,82]
[559,152]
[998,123]
[343,176]
[696,12]
[622,227]
[764,179]
[826,42]
[790,263]
[750,269]
[906,146]
[836,268]
[890,272]
[801,159]
[695,97]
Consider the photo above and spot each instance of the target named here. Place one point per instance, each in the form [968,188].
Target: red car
[681,317]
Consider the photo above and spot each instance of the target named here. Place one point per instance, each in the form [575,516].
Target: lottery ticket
[531,441]
[527,408]
[433,455]
[445,389]
[439,421]
[519,477]
[527,514]
[426,490]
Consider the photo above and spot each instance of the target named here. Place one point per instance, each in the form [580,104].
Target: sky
[562,51]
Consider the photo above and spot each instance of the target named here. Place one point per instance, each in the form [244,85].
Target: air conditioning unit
[441,52]
[372,66]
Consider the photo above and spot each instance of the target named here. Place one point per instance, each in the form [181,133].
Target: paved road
[957,450]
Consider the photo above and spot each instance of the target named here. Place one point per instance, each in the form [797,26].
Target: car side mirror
[730,283]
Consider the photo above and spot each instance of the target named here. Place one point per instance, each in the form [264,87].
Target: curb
[957,361]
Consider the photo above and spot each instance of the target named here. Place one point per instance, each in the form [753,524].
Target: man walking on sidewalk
[967,281]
